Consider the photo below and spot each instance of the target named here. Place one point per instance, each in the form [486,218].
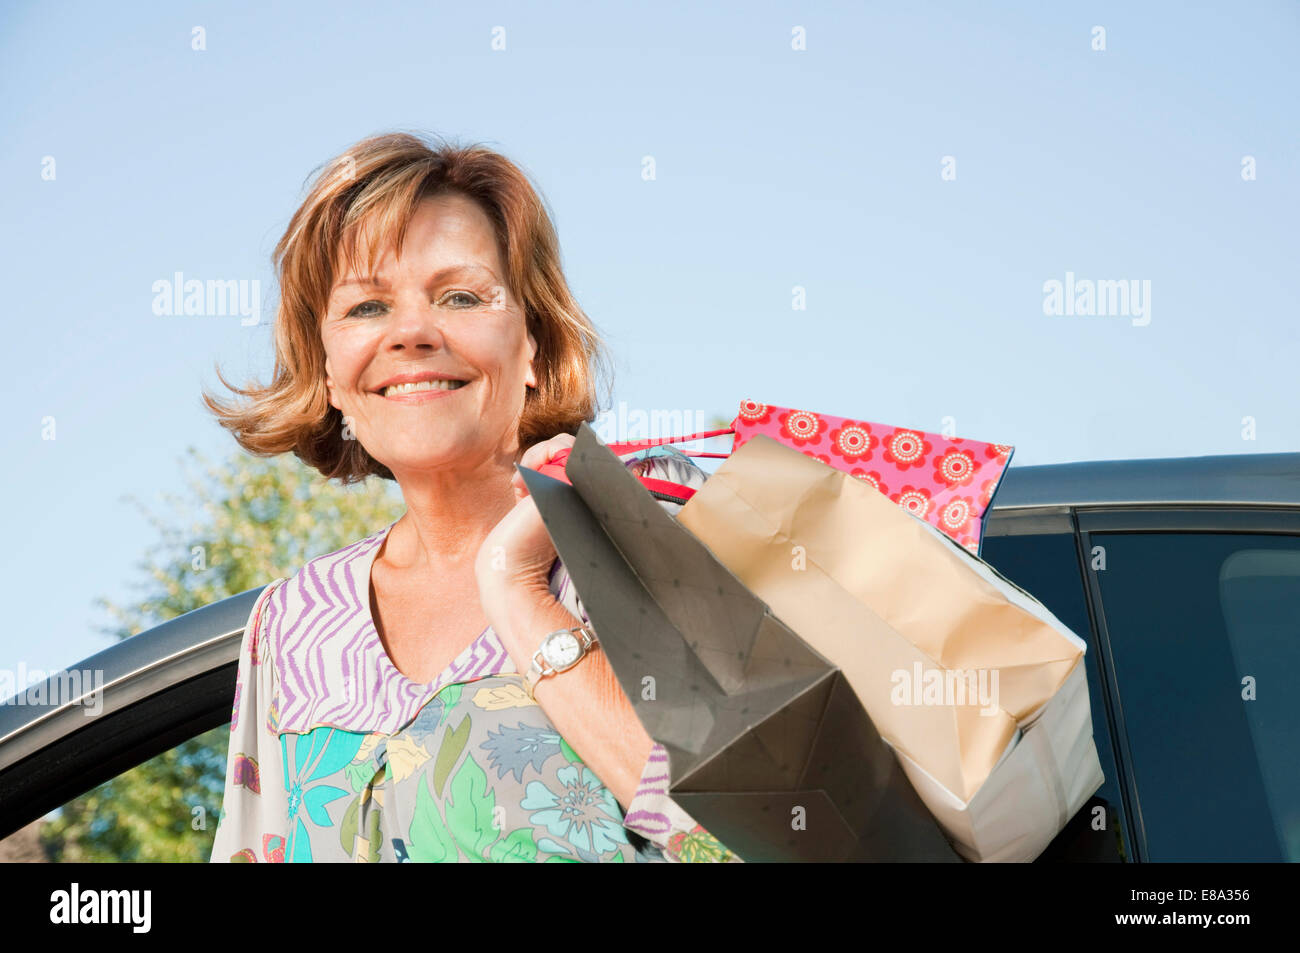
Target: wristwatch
[559,652]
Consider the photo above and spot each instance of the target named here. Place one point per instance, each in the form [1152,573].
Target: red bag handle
[622,448]
[661,489]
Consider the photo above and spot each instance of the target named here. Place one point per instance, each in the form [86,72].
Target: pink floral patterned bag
[946,481]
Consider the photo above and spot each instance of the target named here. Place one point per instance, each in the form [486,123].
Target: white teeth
[421,385]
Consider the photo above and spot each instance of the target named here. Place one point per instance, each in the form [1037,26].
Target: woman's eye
[357,312]
[466,296]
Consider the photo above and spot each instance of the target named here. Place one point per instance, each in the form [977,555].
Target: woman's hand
[517,556]
[537,456]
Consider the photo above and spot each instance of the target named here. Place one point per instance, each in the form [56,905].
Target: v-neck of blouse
[443,678]
[332,668]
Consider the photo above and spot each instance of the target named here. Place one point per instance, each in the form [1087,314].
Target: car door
[1198,620]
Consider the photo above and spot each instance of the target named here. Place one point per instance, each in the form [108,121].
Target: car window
[1047,567]
[1205,634]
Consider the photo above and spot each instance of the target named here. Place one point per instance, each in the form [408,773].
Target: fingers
[538,455]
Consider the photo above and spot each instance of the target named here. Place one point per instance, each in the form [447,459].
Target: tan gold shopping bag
[979,689]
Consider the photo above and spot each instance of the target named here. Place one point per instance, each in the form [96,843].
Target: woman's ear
[329,386]
[531,378]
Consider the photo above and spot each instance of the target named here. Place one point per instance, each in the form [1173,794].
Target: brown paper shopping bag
[975,684]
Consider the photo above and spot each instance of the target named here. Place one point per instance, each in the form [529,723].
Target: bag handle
[622,448]
[660,489]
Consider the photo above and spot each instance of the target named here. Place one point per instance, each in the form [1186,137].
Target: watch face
[561,650]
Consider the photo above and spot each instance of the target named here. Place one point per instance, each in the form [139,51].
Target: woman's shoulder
[319,637]
[336,578]
[300,609]
[255,629]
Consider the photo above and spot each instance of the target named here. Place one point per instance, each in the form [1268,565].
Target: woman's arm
[254,809]
[590,710]
[586,704]
[659,819]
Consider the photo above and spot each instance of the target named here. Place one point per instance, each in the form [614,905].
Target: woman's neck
[449,514]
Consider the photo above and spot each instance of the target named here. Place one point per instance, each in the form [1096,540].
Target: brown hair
[371,191]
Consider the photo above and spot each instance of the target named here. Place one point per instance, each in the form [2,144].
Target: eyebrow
[373,281]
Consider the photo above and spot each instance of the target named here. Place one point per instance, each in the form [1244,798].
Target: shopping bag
[769,748]
[949,482]
[976,685]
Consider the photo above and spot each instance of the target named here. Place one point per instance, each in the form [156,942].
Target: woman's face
[441,308]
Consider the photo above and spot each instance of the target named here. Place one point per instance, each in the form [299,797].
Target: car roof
[1257,478]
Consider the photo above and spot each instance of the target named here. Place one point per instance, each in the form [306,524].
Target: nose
[414,324]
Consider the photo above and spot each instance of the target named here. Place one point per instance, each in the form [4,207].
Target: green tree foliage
[250,521]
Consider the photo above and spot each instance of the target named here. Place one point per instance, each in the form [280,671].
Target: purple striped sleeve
[657,817]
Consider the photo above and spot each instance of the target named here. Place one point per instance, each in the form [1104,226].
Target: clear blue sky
[776,168]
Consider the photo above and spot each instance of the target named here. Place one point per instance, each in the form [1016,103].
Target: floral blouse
[336,756]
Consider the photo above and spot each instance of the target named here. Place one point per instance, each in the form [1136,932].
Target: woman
[380,711]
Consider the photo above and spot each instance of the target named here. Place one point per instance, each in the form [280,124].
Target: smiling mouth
[397,390]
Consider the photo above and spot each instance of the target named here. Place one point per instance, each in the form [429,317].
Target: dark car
[1183,576]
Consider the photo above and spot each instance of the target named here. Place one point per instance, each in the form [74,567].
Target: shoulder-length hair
[369,194]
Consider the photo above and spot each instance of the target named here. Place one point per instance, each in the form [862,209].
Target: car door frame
[1060,520]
